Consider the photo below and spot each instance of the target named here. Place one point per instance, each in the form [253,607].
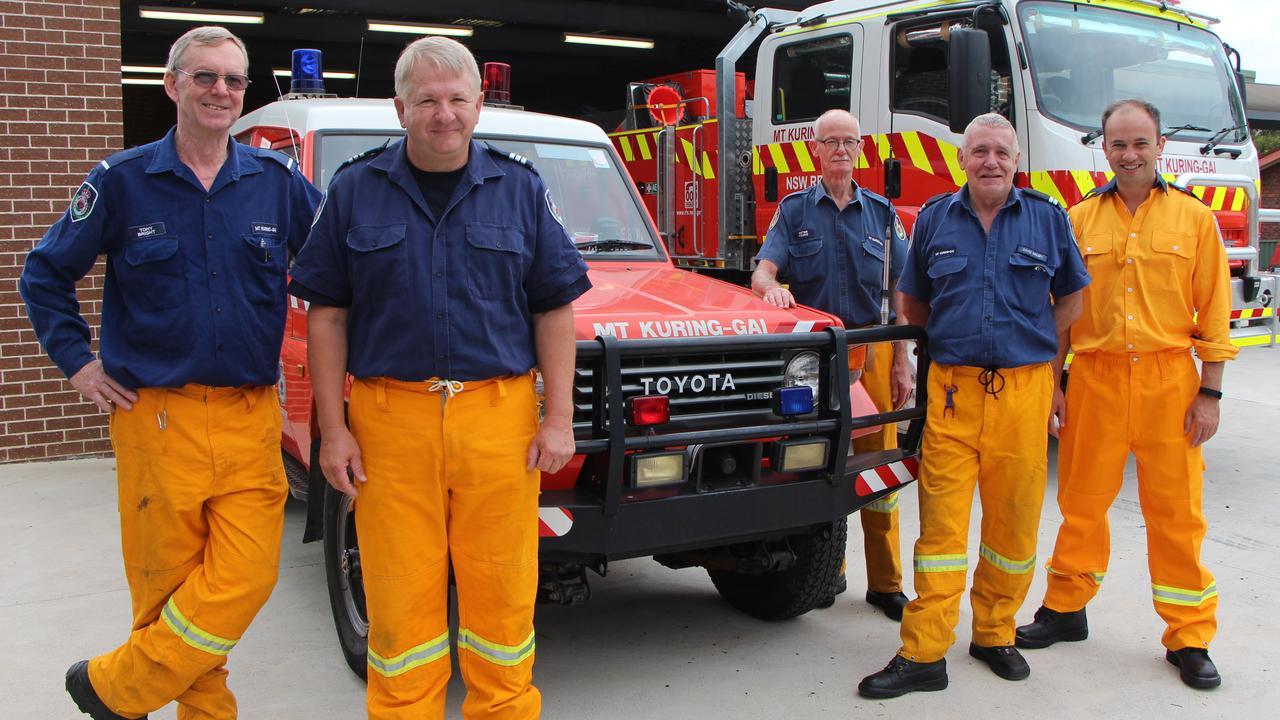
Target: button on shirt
[833,259]
[1153,272]
[195,280]
[449,297]
[989,292]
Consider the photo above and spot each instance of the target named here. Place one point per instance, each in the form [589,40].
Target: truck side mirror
[771,184]
[893,178]
[968,76]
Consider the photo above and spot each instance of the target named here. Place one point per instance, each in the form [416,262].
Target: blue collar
[394,161]
[1112,187]
[961,197]
[240,161]
[820,192]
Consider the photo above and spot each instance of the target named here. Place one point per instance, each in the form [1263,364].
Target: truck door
[801,74]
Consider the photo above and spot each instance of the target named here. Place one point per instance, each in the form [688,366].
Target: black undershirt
[437,188]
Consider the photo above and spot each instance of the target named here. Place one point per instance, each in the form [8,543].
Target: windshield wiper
[1170,132]
[612,245]
[1217,138]
[1090,136]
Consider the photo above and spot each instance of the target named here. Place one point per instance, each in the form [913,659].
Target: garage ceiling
[548,74]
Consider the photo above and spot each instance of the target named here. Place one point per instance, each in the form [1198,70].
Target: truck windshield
[589,192]
[1084,58]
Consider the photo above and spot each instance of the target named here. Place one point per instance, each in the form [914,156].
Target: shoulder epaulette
[1041,196]
[513,157]
[370,153]
[935,199]
[288,162]
[123,156]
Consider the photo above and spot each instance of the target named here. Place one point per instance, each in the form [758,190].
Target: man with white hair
[439,276]
[197,230]
[831,242]
[995,278]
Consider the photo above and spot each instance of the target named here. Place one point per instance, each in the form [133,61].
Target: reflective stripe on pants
[447,485]
[999,446]
[1116,404]
[201,499]
[880,543]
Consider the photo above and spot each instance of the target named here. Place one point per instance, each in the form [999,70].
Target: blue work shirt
[989,292]
[450,297]
[833,259]
[195,279]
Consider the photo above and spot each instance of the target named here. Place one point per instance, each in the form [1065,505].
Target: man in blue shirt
[989,261]
[439,276]
[197,230]
[831,242]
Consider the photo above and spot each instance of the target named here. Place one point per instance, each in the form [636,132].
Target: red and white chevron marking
[887,476]
[800,326]
[554,522]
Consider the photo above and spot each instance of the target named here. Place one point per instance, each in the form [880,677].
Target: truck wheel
[345,580]
[809,583]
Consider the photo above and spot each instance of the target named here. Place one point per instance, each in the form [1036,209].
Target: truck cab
[712,429]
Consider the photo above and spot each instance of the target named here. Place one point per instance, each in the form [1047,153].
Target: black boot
[1195,667]
[1051,626]
[1004,660]
[81,690]
[891,603]
[902,676]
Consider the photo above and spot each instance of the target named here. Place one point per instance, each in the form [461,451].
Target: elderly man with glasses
[197,230]
[841,247]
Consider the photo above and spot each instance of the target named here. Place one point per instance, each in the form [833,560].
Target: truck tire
[345,580]
[809,583]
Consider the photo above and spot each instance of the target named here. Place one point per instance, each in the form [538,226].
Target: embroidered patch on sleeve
[83,201]
[555,211]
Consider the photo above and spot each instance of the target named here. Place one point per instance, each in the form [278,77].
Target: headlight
[803,370]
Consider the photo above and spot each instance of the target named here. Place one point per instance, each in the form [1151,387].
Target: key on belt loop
[162,417]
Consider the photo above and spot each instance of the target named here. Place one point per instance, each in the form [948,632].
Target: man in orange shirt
[1160,290]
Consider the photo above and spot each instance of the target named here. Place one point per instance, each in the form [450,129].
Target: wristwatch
[1210,392]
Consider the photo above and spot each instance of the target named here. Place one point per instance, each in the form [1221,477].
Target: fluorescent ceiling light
[146,69]
[328,74]
[141,81]
[198,15]
[420,28]
[611,40]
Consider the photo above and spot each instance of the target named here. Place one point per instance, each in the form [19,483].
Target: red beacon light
[497,83]
[647,410]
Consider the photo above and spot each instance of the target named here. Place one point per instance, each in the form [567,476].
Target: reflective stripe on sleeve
[942,563]
[416,656]
[193,635]
[496,653]
[1004,564]
[886,504]
[1182,596]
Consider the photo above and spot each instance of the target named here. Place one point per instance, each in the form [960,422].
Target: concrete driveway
[657,643]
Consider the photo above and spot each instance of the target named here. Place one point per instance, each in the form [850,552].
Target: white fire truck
[915,73]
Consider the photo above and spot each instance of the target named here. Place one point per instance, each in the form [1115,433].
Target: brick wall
[1271,199]
[60,113]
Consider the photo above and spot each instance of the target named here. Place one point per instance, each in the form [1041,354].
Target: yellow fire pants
[1119,403]
[999,444]
[201,499]
[880,519]
[447,484]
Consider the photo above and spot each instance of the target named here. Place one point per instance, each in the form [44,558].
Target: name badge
[876,240]
[944,253]
[1033,254]
[803,234]
[146,231]
[264,228]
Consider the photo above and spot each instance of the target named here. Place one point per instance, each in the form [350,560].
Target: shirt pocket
[947,278]
[871,269]
[262,258]
[495,260]
[379,261]
[1029,280]
[152,275]
[1168,269]
[805,266]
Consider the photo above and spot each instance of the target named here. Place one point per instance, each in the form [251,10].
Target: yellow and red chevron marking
[642,145]
[1252,313]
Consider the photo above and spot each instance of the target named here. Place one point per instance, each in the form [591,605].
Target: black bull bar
[603,526]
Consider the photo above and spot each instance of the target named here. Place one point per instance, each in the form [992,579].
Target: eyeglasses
[209,78]
[846,143]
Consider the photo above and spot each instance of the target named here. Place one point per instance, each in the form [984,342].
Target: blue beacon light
[794,400]
[308,74]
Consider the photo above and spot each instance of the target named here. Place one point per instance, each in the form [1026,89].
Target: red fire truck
[915,74]
[712,429]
